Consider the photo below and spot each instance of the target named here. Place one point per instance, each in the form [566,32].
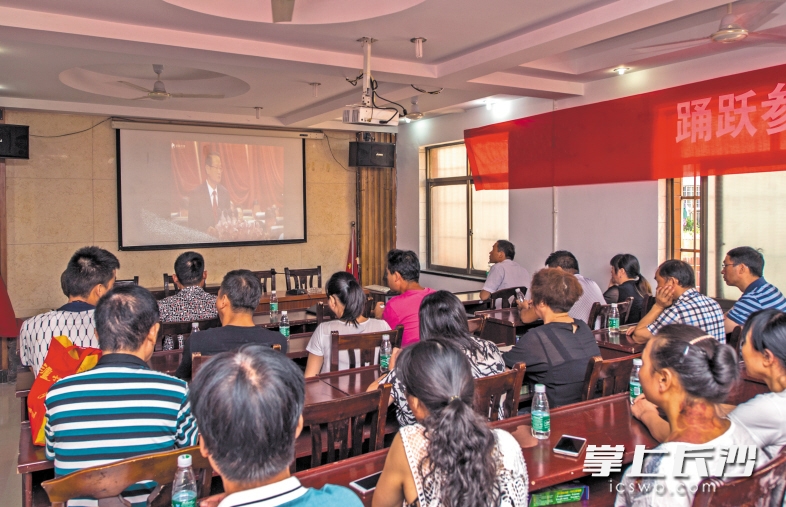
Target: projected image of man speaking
[208,202]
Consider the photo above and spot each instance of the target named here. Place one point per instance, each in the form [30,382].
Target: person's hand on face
[664,295]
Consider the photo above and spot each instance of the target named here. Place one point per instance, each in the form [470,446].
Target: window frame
[674,248]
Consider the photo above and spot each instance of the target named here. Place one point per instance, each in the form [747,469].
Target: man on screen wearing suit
[208,201]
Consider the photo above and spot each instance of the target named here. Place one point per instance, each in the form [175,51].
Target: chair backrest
[169,285]
[198,360]
[733,339]
[490,391]
[128,281]
[342,421]
[476,325]
[602,311]
[166,361]
[108,481]
[764,487]
[506,295]
[303,278]
[176,328]
[264,277]
[647,302]
[498,331]
[368,307]
[324,313]
[605,377]
[366,343]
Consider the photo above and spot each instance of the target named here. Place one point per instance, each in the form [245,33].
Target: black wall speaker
[372,154]
[14,141]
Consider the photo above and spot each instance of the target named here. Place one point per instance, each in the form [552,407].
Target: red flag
[352,256]
[8,325]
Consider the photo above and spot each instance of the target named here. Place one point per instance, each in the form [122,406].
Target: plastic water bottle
[614,322]
[184,489]
[541,417]
[168,344]
[273,306]
[384,354]
[180,339]
[635,383]
[519,296]
[283,326]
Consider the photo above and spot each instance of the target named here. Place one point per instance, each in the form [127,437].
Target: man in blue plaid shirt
[678,302]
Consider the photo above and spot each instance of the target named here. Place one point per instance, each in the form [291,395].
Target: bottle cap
[614,305]
[283,312]
[637,362]
[540,388]
[386,337]
[184,460]
[273,291]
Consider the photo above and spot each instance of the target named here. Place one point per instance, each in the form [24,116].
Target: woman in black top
[626,282]
[556,353]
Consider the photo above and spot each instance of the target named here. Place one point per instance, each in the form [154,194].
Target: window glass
[449,226]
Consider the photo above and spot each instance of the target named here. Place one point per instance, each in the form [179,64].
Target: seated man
[743,268]
[191,302]
[238,297]
[678,302]
[403,273]
[591,293]
[505,273]
[120,408]
[89,275]
[249,404]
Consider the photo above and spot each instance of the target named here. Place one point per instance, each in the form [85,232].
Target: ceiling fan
[159,91]
[734,28]
[282,10]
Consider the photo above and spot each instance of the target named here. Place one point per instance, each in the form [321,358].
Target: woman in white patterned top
[450,457]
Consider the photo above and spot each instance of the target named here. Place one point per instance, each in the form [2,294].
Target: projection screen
[208,187]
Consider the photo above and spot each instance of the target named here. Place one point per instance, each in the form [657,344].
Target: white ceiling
[474,50]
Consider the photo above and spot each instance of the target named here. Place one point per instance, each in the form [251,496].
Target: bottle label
[384,362]
[273,306]
[184,499]
[635,389]
[284,330]
[541,421]
[614,322]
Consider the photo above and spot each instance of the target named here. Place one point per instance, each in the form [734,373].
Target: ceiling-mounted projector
[365,113]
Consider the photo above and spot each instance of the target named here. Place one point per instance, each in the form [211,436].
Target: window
[462,223]
[736,210]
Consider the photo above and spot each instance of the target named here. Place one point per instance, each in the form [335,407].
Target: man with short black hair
[191,302]
[678,302]
[237,299]
[90,273]
[505,273]
[403,275]
[591,293]
[249,406]
[120,408]
[743,268]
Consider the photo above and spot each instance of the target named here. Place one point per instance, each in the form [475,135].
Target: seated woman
[345,300]
[686,373]
[450,457]
[442,317]
[626,281]
[556,353]
[764,353]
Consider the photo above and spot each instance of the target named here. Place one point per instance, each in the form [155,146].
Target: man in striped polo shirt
[743,268]
[120,408]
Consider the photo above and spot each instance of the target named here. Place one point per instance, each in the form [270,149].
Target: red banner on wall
[729,125]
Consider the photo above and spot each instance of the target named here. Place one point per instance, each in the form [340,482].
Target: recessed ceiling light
[621,70]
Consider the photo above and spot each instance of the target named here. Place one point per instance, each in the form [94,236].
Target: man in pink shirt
[403,273]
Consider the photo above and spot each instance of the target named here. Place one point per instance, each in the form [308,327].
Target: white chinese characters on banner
[694,118]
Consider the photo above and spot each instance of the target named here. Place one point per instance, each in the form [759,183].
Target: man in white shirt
[566,261]
[505,273]
[209,201]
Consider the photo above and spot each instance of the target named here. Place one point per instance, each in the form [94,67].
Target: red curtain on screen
[734,124]
[251,173]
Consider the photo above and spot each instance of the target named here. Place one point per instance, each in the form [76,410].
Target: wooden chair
[176,328]
[605,377]
[368,307]
[324,313]
[764,487]
[476,325]
[498,331]
[343,422]
[128,281]
[168,280]
[366,343]
[647,302]
[602,311]
[489,392]
[109,481]
[506,295]
[733,339]
[198,360]
[303,278]
[264,277]
[166,361]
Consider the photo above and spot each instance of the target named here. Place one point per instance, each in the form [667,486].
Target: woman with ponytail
[626,281]
[687,374]
[450,458]
[346,300]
